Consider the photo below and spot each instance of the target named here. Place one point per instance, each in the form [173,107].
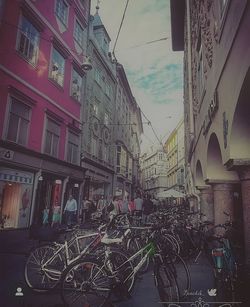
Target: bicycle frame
[223,258]
[64,248]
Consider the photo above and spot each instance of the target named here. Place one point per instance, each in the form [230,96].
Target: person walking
[147,208]
[114,206]
[70,210]
[138,205]
[131,206]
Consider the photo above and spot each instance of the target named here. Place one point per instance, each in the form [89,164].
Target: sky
[154,71]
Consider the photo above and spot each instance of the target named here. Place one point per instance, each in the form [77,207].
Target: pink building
[42,47]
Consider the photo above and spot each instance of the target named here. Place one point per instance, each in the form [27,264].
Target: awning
[171,193]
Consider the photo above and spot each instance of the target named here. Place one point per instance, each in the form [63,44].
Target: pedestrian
[70,210]
[138,205]
[85,210]
[56,215]
[147,208]
[124,205]
[131,206]
[113,208]
[101,206]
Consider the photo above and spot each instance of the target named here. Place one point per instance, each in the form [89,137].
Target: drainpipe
[65,182]
[190,98]
[34,196]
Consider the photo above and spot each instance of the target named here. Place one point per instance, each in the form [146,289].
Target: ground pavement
[12,259]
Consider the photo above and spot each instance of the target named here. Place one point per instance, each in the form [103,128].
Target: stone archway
[206,194]
[221,180]
[239,146]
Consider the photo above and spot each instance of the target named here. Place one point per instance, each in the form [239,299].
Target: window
[106,119]
[105,153]
[200,70]
[27,41]
[76,85]
[52,136]
[73,146]
[94,147]
[95,109]
[78,33]
[98,76]
[57,67]
[19,119]
[108,90]
[62,11]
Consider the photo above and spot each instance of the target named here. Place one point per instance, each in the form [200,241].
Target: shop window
[76,86]
[15,198]
[19,119]
[62,11]
[28,41]
[78,33]
[52,137]
[57,67]
[73,148]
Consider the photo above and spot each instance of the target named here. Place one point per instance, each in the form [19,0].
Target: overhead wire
[123,16]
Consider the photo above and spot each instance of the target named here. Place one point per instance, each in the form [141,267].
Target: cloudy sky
[154,71]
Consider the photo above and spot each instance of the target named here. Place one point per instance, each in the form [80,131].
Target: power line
[146,43]
[150,124]
[120,27]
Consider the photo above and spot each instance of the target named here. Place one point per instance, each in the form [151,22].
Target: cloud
[154,71]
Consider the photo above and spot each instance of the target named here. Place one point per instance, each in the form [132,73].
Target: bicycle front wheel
[166,285]
[38,276]
[85,283]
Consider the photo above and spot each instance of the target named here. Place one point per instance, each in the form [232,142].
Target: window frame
[80,43]
[54,49]
[18,39]
[80,86]
[75,145]
[11,100]
[56,122]
[65,23]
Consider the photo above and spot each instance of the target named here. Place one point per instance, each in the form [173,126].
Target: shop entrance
[48,201]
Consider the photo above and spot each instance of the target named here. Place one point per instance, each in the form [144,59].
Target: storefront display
[16,190]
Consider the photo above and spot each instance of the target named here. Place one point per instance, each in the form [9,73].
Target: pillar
[207,202]
[245,191]
[223,201]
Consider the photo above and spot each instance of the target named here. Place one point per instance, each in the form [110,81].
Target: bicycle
[45,263]
[93,279]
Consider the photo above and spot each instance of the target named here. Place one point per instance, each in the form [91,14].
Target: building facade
[40,106]
[127,135]
[98,115]
[174,148]
[214,37]
[154,171]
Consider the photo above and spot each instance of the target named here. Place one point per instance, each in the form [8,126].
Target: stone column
[207,202]
[223,201]
[245,191]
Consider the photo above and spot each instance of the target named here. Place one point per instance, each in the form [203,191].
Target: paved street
[14,249]
[144,293]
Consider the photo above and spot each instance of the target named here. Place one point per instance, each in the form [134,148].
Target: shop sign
[14,176]
[6,154]
[212,109]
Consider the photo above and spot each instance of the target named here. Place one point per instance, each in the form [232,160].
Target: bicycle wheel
[180,271]
[133,246]
[85,283]
[38,277]
[166,284]
[123,268]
